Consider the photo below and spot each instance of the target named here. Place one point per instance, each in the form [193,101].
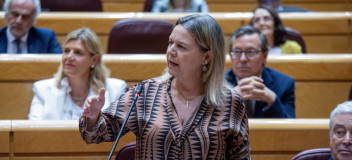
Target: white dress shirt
[11,45]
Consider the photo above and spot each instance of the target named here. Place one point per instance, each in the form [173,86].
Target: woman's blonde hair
[209,36]
[99,73]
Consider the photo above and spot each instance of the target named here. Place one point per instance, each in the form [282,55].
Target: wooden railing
[322,81]
[323,32]
[274,139]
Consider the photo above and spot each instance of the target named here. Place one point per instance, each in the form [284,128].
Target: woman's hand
[93,108]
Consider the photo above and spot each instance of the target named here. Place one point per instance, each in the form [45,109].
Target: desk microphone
[136,95]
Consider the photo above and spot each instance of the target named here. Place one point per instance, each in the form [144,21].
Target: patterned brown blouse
[210,133]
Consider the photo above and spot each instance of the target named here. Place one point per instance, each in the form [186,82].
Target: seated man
[276,4]
[267,92]
[341,132]
[20,36]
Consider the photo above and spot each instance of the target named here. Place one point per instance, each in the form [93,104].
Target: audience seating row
[234,5]
[323,32]
[322,81]
[270,139]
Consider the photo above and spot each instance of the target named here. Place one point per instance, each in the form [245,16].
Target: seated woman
[180,6]
[189,112]
[81,74]
[268,22]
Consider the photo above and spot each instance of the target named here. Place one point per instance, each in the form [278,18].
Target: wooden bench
[324,32]
[270,139]
[322,81]
[234,5]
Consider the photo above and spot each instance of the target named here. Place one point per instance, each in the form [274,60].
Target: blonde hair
[210,37]
[99,73]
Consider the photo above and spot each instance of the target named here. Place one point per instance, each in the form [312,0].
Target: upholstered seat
[72,5]
[127,152]
[139,36]
[148,5]
[313,154]
[296,36]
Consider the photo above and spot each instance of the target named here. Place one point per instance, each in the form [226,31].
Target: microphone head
[139,88]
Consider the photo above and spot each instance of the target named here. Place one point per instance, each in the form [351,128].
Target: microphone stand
[136,95]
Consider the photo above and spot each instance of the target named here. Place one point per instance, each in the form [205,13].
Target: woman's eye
[182,47]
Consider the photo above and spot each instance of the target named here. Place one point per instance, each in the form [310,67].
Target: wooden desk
[274,139]
[322,81]
[5,128]
[234,5]
[57,140]
[270,139]
[324,32]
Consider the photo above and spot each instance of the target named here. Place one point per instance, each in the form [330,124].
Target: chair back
[139,36]
[127,152]
[294,35]
[314,154]
[72,5]
[148,5]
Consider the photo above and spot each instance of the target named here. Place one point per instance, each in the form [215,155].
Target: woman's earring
[204,67]
[92,66]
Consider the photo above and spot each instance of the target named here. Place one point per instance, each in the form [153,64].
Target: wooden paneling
[320,98]
[235,5]
[274,139]
[57,140]
[326,44]
[16,108]
[123,7]
[5,128]
[322,80]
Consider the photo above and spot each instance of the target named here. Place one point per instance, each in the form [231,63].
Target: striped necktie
[249,108]
[18,46]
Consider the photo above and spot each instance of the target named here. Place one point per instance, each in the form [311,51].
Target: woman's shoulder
[45,86]
[115,81]
[291,47]
[154,81]
[45,82]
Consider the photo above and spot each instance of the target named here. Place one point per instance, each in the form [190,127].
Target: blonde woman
[81,74]
[189,112]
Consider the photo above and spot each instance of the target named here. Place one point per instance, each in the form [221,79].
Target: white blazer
[48,101]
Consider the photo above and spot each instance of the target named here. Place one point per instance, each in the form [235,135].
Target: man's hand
[253,88]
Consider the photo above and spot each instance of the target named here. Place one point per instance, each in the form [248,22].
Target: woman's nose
[171,50]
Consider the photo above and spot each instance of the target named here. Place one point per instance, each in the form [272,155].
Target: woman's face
[184,57]
[77,60]
[264,21]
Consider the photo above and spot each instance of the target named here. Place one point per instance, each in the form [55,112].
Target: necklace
[188,100]
[78,100]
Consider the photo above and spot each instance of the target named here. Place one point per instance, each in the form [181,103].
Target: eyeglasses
[265,18]
[250,54]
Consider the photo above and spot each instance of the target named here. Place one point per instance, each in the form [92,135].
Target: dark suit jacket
[284,88]
[40,40]
[291,9]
